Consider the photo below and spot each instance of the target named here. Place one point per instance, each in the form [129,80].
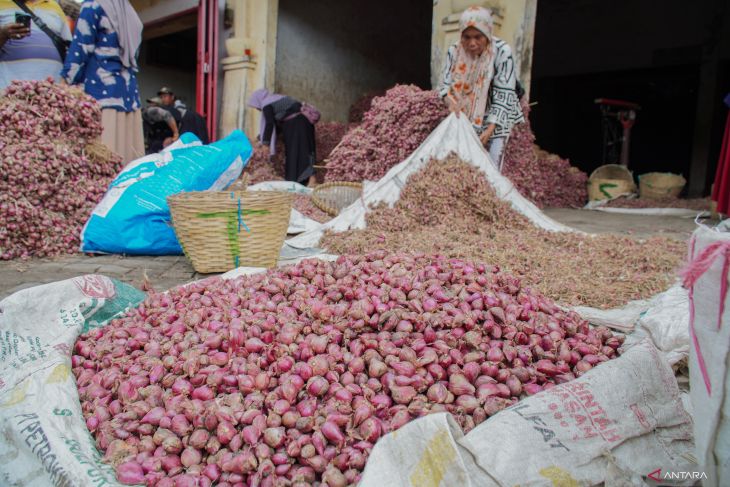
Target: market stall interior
[168,58]
[424,316]
[587,50]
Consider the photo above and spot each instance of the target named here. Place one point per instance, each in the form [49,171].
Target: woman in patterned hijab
[479,80]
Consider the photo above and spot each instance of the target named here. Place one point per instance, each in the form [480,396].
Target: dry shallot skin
[322,359]
[264,167]
[394,126]
[696,204]
[49,180]
[449,207]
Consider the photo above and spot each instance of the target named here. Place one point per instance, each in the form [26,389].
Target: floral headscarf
[473,75]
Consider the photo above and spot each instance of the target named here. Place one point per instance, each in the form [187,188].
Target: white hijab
[128,26]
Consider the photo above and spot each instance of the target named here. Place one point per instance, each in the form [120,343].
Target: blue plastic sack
[133,217]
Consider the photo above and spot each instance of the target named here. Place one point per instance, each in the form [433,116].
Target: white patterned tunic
[503,108]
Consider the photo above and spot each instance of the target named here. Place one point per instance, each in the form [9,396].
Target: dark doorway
[168,58]
[333,51]
[640,51]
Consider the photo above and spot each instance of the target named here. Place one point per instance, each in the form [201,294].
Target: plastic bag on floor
[617,424]
[45,441]
[133,217]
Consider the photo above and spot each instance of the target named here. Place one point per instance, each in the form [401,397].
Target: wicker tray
[658,185]
[333,197]
[609,182]
[222,230]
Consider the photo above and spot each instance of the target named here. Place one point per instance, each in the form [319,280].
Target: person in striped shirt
[29,53]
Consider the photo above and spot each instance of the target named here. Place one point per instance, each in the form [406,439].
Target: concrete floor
[637,225]
[168,271]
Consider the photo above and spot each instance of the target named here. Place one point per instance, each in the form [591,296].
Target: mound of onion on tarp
[303,203]
[327,136]
[262,167]
[48,183]
[359,107]
[450,208]
[396,124]
[290,377]
[545,179]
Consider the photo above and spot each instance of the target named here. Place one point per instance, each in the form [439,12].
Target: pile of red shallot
[396,124]
[450,208]
[303,203]
[328,135]
[262,167]
[290,377]
[49,183]
[362,105]
[545,179]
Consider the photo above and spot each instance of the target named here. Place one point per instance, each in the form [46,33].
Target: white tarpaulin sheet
[679,212]
[453,135]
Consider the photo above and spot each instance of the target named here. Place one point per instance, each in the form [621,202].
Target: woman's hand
[487,134]
[13,31]
[484,138]
[453,105]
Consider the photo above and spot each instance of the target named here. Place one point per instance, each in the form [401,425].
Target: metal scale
[617,119]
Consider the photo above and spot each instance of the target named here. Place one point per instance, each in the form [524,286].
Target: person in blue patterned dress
[103,58]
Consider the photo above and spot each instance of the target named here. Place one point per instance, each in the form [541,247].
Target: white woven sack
[44,438]
[710,355]
[616,424]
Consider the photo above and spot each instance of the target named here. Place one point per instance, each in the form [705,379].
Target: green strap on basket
[240,218]
[602,189]
[234,222]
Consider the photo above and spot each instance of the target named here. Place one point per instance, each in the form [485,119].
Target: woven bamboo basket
[609,182]
[658,185]
[222,230]
[333,197]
